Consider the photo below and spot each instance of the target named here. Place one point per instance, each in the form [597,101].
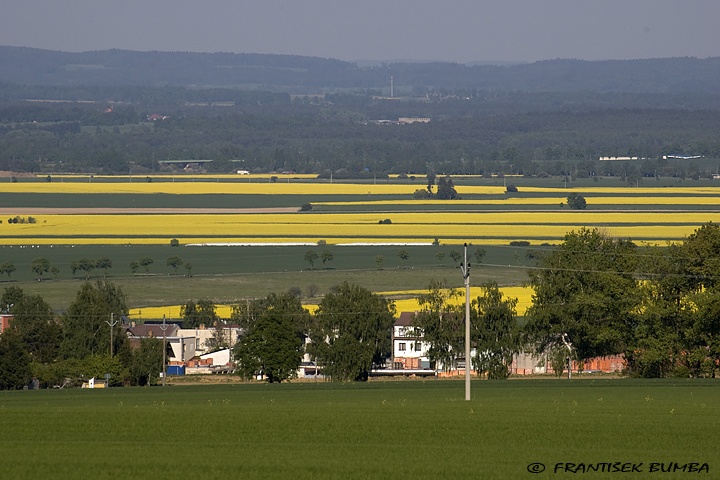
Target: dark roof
[156,331]
[405,319]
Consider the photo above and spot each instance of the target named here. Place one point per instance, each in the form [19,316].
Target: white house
[409,349]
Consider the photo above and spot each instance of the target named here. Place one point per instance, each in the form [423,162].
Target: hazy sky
[450,30]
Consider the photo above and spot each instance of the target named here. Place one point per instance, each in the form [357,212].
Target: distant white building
[409,349]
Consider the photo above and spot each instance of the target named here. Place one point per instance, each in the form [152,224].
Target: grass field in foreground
[398,430]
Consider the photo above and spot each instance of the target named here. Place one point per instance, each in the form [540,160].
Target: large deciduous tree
[37,328]
[15,370]
[147,362]
[351,332]
[586,293]
[273,343]
[40,266]
[440,322]
[200,313]
[494,331]
[87,320]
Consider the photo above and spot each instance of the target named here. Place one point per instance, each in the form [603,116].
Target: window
[401,346]
[418,346]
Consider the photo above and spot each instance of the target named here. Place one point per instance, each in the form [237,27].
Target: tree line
[594,295]
[328,139]
[348,335]
[84,342]
[28,66]
[42,265]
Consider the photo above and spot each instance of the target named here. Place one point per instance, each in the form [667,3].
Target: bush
[519,243]
[422,193]
[387,221]
[306,207]
[174,242]
[576,202]
[511,189]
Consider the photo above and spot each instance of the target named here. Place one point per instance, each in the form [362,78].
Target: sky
[463,31]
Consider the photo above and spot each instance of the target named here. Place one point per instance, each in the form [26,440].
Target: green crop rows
[411,429]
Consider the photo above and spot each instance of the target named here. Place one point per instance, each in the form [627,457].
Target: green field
[400,429]
[225,274]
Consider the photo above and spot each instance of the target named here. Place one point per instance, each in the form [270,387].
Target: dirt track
[131,211]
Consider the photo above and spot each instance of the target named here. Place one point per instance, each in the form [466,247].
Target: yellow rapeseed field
[285,185]
[222,188]
[349,227]
[511,201]
[172,312]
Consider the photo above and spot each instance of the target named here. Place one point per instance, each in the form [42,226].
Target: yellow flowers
[172,312]
[409,227]
[448,221]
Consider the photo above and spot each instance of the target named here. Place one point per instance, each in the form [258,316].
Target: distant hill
[298,74]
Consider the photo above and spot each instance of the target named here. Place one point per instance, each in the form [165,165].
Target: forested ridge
[547,118]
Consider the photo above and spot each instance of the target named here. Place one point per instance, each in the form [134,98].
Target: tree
[86,322]
[676,330]
[274,338]
[134,266]
[147,362]
[37,328]
[86,265]
[218,340]
[351,332]
[455,255]
[104,263]
[479,254]
[576,201]
[7,268]
[40,266]
[188,267]
[175,262]
[403,255]
[310,257]
[431,176]
[445,189]
[312,290]
[586,293]
[440,255]
[701,250]
[145,262]
[10,297]
[440,322]
[14,362]
[174,242]
[495,332]
[326,256]
[379,259]
[200,313]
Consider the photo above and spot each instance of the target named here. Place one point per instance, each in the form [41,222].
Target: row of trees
[334,139]
[86,341]
[598,296]
[42,265]
[347,336]
[659,306]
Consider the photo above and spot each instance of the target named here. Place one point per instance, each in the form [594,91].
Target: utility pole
[112,324]
[465,269]
[568,345]
[163,328]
